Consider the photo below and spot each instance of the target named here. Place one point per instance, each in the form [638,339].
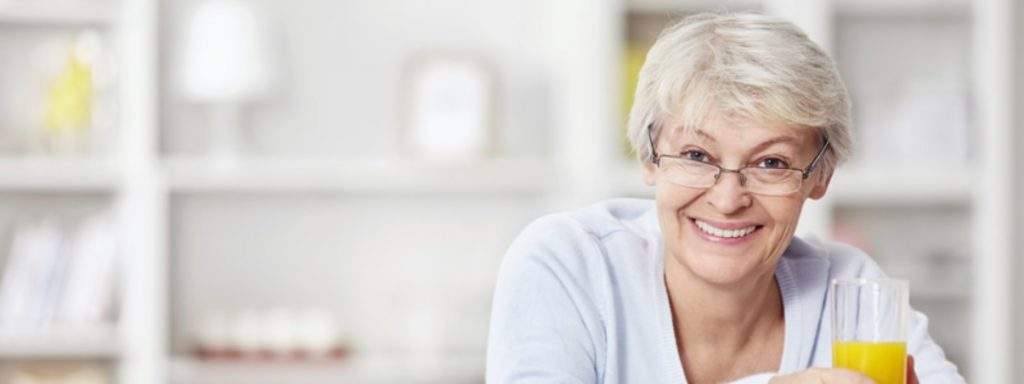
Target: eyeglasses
[759,180]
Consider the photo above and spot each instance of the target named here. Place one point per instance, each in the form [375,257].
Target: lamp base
[225,132]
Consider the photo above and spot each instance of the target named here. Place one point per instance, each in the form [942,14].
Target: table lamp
[225,63]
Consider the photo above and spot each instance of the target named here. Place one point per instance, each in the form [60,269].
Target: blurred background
[315,191]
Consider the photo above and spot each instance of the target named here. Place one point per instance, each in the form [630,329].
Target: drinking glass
[869,327]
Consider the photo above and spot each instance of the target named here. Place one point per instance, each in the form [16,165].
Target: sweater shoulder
[598,221]
[844,259]
[579,240]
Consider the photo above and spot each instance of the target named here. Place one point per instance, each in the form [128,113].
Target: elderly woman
[738,120]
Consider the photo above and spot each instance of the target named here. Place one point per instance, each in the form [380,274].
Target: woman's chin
[725,270]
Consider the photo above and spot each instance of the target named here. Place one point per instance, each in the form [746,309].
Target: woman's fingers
[823,376]
[911,373]
[839,375]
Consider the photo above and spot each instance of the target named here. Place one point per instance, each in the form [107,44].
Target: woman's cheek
[779,241]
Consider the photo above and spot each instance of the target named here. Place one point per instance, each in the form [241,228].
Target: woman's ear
[648,170]
[821,185]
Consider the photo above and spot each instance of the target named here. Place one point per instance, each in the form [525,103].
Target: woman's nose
[728,195]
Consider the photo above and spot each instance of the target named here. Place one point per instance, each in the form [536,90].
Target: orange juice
[884,362]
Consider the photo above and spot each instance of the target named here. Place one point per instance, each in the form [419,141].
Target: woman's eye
[772,162]
[696,155]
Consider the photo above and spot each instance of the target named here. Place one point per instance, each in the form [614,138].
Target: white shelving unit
[92,342]
[587,166]
[852,186]
[865,7]
[70,14]
[124,177]
[359,369]
[864,186]
[59,175]
[993,197]
[908,7]
[409,176]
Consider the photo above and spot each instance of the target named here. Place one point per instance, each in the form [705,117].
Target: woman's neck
[730,318]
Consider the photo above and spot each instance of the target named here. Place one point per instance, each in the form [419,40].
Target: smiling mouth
[737,233]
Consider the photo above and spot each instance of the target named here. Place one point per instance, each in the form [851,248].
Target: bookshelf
[156,192]
[62,15]
[854,185]
[45,174]
[97,342]
[112,177]
[359,369]
[408,176]
[865,7]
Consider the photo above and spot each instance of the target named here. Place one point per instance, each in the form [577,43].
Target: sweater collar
[802,273]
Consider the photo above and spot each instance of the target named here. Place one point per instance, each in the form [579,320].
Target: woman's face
[727,205]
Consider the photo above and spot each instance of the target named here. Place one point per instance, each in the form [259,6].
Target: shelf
[187,175]
[54,13]
[358,369]
[65,174]
[83,342]
[889,8]
[673,6]
[627,179]
[958,298]
[843,7]
[877,186]
[850,186]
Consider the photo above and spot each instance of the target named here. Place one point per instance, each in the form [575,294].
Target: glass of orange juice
[869,327]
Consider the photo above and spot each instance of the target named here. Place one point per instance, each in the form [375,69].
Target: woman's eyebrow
[784,139]
[789,140]
[704,135]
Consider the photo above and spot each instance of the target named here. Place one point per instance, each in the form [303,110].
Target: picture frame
[449,108]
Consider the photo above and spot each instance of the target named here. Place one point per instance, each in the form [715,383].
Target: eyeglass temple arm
[814,163]
[650,138]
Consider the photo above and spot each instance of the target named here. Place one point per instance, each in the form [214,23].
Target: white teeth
[727,233]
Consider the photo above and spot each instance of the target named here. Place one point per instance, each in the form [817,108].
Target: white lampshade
[225,54]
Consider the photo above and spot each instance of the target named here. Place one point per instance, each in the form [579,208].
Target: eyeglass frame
[805,172]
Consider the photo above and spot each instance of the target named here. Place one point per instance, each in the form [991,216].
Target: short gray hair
[740,65]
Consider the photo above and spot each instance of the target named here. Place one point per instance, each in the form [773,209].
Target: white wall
[344,62]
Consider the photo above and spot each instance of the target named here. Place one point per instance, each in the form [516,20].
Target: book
[58,274]
[89,281]
[26,289]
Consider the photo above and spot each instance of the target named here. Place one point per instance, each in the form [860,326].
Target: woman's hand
[823,376]
[911,373]
[837,376]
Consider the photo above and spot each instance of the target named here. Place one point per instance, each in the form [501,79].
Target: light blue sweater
[581,298]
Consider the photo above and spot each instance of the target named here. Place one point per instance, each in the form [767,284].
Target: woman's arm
[929,361]
[543,322]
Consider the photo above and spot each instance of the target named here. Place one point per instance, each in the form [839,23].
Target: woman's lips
[732,234]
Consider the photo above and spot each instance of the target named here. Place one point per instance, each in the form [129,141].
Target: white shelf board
[58,174]
[941,296]
[850,186]
[673,6]
[879,186]
[85,342]
[842,7]
[526,175]
[357,369]
[883,8]
[54,13]
[627,179]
